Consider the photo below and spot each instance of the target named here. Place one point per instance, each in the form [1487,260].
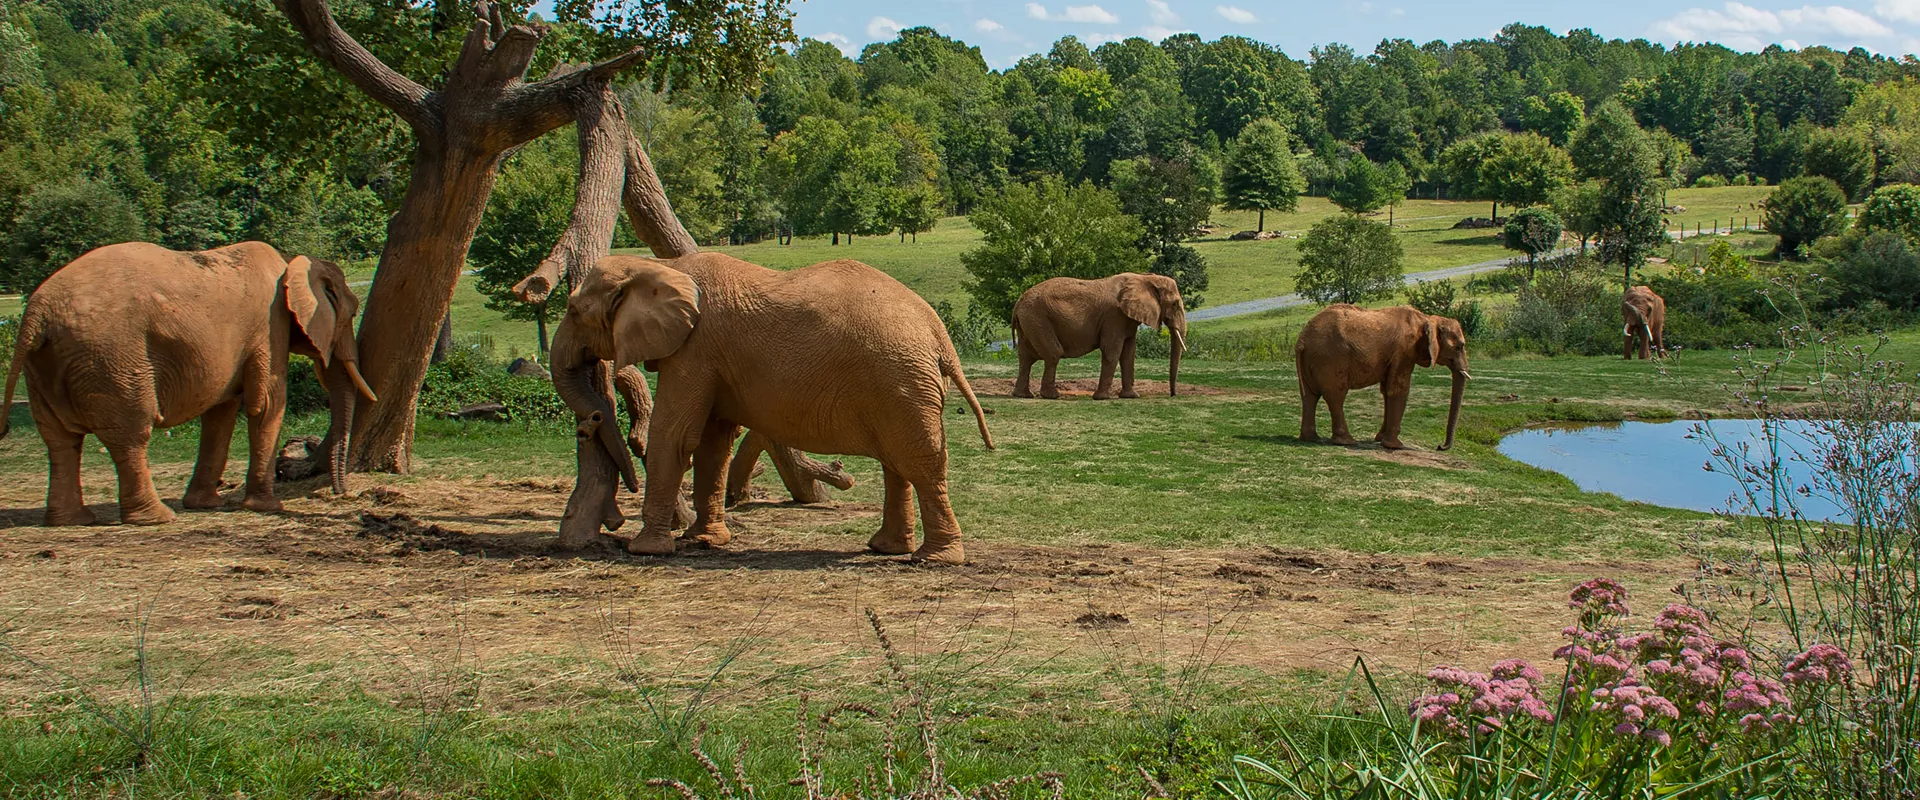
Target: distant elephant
[1645,326]
[132,337]
[834,358]
[1347,347]
[1070,317]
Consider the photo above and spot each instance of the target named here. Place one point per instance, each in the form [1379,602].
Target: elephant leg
[1337,409]
[709,483]
[669,454]
[263,431]
[1389,437]
[1047,389]
[1126,369]
[66,504]
[743,468]
[1309,406]
[940,538]
[139,503]
[896,517]
[216,437]
[1109,358]
[1022,386]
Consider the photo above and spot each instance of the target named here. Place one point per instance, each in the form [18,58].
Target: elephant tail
[27,339]
[950,364]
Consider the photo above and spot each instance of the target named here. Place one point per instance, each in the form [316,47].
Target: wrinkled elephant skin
[1346,347]
[1070,317]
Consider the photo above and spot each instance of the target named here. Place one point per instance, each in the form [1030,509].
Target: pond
[1664,463]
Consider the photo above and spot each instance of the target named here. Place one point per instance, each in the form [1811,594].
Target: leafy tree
[1801,211]
[1611,144]
[1525,171]
[1726,148]
[1167,196]
[525,216]
[1556,117]
[1880,267]
[1895,209]
[1578,206]
[1461,163]
[1346,259]
[1261,174]
[1843,155]
[61,221]
[1532,231]
[1361,188]
[1187,268]
[1394,185]
[1614,151]
[1234,80]
[1048,229]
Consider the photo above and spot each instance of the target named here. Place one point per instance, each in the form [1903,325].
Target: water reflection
[1663,464]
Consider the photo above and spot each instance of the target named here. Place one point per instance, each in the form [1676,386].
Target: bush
[1893,208]
[1709,182]
[1880,267]
[1440,298]
[1346,259]
[1717,310]
[1742,180]
[972,333]
[1532,231]
[61,221]
[1566,309]
[1187,268]
[1048,230]
[472,374]
[1802,211]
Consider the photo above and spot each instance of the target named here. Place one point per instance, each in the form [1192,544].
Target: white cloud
[882,28]
[1083,14]
[1742,26]
[1236,15]
[1163,15]
[1898,10]
[985,25]
[1155,33]
[837,40]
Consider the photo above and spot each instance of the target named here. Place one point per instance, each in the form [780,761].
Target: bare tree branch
[534,108]
[314,21]
[647,207]
[601,123]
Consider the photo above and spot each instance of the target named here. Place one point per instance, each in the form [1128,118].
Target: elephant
[1645,326]
[1069,318]
[835,358]
[132,337]
[1346,347]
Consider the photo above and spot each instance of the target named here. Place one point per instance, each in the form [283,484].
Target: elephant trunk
[1460,377]
[342,397]
[574,371]
[1173,359]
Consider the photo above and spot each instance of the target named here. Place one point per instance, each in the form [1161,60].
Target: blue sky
[1005,30]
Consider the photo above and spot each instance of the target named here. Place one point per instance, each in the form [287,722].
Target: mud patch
[1102,620]
[1413,456]
[1081,388]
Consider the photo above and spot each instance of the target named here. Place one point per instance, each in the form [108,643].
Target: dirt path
[438,570]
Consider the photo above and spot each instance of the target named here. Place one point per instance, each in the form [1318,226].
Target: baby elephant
[1347,347]
[1069,318]
[131,337]
[1645,327]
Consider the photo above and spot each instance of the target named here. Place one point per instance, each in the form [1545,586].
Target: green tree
[1556,117]
[1346,259]
[525,216]
[1187,268]
[1361,187]
[1895,209]
[1578,206]
[1261,174]
[1525,171]
[1843,155]
[1394,185]
[61,221]
[1803,210]
[1168,197]
[1532,231]
[1461,164]
[1048,229]
[1614,151]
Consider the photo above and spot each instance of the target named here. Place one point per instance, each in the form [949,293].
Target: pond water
[1664,463]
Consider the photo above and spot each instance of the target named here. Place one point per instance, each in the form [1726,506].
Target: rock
[1476,223]
[490,411]
[1675,209]
[299,460]
[1254,236]
[525,368]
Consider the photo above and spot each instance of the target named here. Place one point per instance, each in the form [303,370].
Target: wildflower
[1822,663]
[1601,597]
[1639,709]
[1761,702]
[1491,698]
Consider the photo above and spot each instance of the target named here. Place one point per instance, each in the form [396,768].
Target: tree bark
[443,342]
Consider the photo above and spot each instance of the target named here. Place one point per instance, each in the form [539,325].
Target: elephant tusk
[353,371]
[1466,374]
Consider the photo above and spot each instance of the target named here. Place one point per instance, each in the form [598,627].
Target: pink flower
[1822,663]
[1601,597]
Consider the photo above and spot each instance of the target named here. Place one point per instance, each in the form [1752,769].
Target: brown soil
[425,571]
[1084,387]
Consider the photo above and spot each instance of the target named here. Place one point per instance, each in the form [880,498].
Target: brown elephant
[132,337]
[1645,323]
[1347,347]
[834,358]
[1070,317]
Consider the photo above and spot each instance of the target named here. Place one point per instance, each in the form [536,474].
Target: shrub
[1709,182]
[1803,210]
[1048,230]
[1187,268]
[1880,267]
[1346,259]
[1441,298]
[1567,309]
[60,221]
[1742,180]
[1717,310]
[1533,231]
[1893,208]
[472,374]
[972,333]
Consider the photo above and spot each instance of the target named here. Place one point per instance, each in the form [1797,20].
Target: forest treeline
[201,122]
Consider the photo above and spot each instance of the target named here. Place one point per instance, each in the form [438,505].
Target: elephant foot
[75,517]
[1099,396]
[949,552]
[651,543]
[891,543]
[196,500]
[1309,436]
[1129,394]
[265,504]
[1050,394]
[1343,441]
[153,514]
[1022,392]
[712,535]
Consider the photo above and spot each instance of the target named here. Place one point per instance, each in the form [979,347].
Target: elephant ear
[1137,301]
[306,300]
[1426,347]
[653,313]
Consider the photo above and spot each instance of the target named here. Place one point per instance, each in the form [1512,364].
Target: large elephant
[1347,347]
[1070,317]
[834,358]
[132,337]
[1644,326]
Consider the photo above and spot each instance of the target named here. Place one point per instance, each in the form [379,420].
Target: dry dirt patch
[1084,387]
[467,567]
